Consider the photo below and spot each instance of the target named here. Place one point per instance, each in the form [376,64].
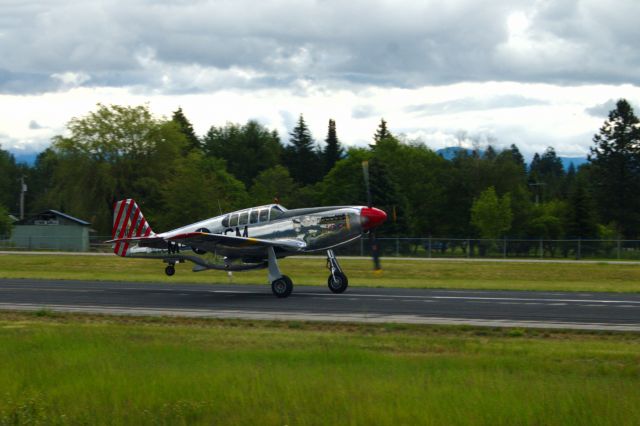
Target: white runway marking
[474,298]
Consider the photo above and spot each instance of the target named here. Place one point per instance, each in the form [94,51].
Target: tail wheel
[170,270]
[282,287]
[338,282]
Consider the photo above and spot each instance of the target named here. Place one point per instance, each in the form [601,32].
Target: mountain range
[449,153]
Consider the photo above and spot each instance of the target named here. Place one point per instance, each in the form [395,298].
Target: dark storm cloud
[191,46]
[25,82]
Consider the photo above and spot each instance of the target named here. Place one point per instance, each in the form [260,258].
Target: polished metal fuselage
[303,230]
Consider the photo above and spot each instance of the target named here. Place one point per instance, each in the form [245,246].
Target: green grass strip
[75,369]
[312,271]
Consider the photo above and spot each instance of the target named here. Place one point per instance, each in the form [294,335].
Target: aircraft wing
[230,244]
[226,244]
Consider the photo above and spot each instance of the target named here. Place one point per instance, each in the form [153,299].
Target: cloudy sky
[534,73]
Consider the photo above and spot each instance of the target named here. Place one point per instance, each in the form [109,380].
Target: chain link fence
[502,248]
[506,248]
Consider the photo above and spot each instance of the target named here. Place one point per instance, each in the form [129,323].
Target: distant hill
[449,153]
[28,158]
[577,161]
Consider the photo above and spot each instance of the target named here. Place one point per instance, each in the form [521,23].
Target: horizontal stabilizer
[155,242]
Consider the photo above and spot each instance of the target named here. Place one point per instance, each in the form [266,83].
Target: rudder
[128,222]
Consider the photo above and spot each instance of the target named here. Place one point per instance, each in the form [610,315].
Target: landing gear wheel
[282,287]
[338,282]
[170,270]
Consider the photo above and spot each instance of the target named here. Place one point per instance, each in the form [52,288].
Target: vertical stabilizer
[128,222]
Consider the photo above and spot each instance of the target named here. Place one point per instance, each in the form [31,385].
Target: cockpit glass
[225,221]
[243,218]
[253,218]
[234,220]
[276,213]
[264,215]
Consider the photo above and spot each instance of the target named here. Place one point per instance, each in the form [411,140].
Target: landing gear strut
[337,281]
[281,285]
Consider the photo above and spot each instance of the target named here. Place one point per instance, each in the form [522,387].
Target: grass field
[72,369]
[312,271]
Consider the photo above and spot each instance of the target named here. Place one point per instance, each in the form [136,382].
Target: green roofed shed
[51,230]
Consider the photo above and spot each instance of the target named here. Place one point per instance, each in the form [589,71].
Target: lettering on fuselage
[245,231]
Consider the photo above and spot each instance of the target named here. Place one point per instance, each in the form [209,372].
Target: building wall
[53,237]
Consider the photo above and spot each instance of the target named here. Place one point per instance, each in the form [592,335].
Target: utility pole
[23,190]
[539,187]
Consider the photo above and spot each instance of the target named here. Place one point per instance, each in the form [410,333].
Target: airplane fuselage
[305,230]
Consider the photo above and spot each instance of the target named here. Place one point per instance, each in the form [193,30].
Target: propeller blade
[365,172]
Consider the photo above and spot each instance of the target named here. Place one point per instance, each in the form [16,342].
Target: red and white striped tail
[128,222]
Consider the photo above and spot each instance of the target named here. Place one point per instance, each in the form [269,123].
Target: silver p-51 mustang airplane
[247,239]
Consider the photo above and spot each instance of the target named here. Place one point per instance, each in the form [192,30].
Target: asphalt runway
[605,311]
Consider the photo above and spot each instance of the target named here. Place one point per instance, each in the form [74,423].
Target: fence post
[579,248]
[618,249]
[429,250]
[541,248]
[504,248]
[361,246]
[397,247]
[468,248]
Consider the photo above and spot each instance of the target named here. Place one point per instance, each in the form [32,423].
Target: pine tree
[517,156]
[489,153]
[301,156]
[615,161]
[381,132]
[187,129]
[547,171]
[333,151]
[581,220]
[569,181]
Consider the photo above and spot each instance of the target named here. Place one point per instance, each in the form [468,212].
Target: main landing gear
[337,281]
[281,285]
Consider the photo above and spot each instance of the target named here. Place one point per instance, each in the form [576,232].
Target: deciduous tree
[112,153]
[491,214]
[273,185]
[247,149]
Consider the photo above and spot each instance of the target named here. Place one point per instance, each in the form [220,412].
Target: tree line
[177,177]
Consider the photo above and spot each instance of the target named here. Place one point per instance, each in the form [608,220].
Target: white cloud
[533,116]
[523,71]
[71,79]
